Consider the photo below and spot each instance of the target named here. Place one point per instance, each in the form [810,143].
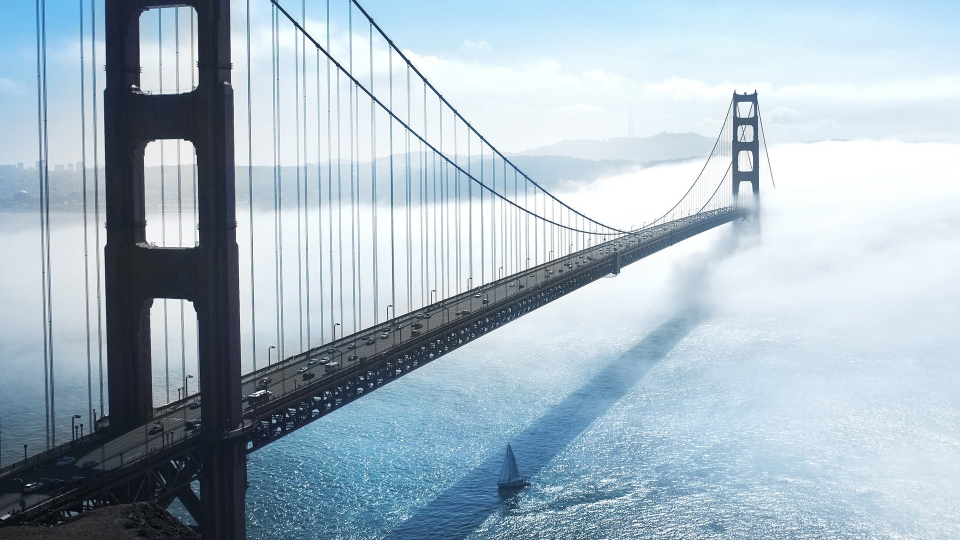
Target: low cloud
[471,46]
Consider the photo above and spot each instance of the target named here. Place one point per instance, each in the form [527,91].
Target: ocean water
[799,383]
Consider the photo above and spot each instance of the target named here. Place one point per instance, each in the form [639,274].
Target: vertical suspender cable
[340,201]
[393,242]
[355,144]
[282,346]
[296,147]
[306,173]
[409,202]
[333,327]
[320,203]
[183,341]
[353,178]
[46,203]
[253,283]
[276,214]
[373,188]
[86,249]
[470,212]
[457,204]
[42,167]
[96,200]
[163,212]
[43,229]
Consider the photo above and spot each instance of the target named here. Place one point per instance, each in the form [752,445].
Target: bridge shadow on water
[464,506]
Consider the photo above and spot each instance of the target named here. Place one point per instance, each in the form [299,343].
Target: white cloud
[888,93]
[476,46]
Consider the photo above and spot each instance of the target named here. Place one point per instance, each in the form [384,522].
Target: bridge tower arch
[137,272]
[746,146]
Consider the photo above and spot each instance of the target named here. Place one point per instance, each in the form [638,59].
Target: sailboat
[509,475]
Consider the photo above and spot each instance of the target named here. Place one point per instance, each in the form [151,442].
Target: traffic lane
[10,491]
[288,377]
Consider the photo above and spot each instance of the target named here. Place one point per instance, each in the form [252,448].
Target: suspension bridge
[384,232]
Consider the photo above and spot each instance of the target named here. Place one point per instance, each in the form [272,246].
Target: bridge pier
[136,272]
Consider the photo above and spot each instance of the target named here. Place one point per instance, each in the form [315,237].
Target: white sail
[509,472]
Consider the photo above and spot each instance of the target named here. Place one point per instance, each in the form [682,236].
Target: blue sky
[530,73]
[793,41]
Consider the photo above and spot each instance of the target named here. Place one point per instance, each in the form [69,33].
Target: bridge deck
[140,465]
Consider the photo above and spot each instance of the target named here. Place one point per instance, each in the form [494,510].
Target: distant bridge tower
[746,146]
[137,272]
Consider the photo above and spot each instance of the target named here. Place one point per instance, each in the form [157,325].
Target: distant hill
[558,171]
[661,147]
[557,166]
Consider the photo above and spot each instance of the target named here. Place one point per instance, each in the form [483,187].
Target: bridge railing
[48,455]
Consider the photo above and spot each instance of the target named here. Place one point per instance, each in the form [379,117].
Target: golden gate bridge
[384,232]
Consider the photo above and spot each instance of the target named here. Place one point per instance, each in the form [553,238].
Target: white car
[66,461]
[35,486]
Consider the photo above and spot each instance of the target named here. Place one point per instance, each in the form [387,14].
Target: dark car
[195,405]
[55,483]
[157,428]
[308,376]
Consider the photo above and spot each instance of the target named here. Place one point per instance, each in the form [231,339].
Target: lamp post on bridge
[270,350]
[390,326]
[186,388]
[73,427]
[340,361]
